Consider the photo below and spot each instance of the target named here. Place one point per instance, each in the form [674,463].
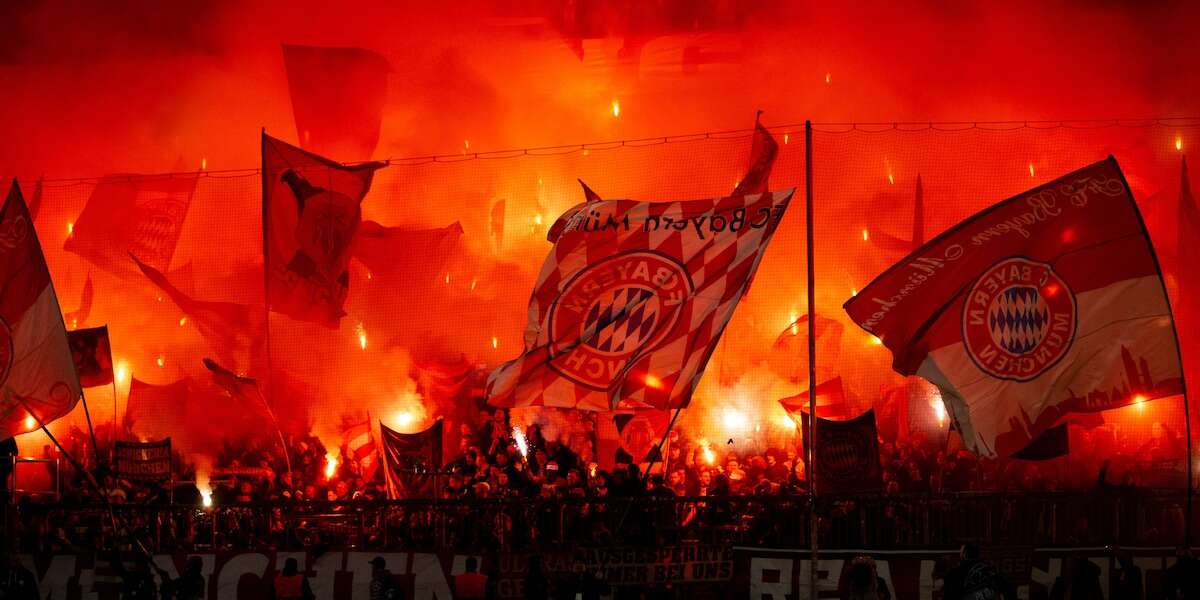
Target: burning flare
[519,440]
[362,336]
[1179,143]
[495,342]
[331,465]
[616,108]
[1031,170]
[866,235]
[30,423]
[161,361]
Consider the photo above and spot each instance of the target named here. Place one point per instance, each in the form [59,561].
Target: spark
[30,422]
[877,341]
[203,163]
[474,280]
[828,78]
[1139,401]
[466,144]
[495,342]
[709,457]
[331,465]
[891,180]
[792,318]
[537,219]
[866,235]
[616,108]
[785,139]
[74,323]
[853,291]
[70,229]
[519,440]
[161,360]
[1031,170]
[939,411]
[585,151]
[206,497]
[447,278]
[362,336]
[370,276]
[159,298]
[1179,143]
[122,370]
[183,320]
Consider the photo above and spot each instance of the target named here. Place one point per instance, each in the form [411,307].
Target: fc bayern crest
[1019,319]
[613,309]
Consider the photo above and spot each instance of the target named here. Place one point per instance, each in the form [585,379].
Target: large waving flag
[763,149]
[311,212]
[37,373]
[235,331]
[92,354]
[413,461]
[632,300]
[1045,304]
[402,254]
[132,214]
[337,98]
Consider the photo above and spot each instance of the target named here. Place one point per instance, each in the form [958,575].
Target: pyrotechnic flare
[519,441]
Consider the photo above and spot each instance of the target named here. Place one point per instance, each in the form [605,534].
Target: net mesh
[473,305]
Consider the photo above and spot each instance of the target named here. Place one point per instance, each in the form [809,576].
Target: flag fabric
[831,401]
[413,461]
[763,149]
[1187,253]
[789,353]
[358,444]
[847,454]
[496,225]
[143,461]
[37,373]
[311,211]
[337,98]
[132,214]
[891,243]
[154,410]
[237,386]
[1052,443]
[80,316]
[1048,303]
[443,381]
[234,331]
[35,202]
[632,300]
[92,356]
[404,255]
[630,436]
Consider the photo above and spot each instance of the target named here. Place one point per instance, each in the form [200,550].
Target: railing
[868,522]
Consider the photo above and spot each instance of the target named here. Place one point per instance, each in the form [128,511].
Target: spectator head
[378,564]
[195,565]
[472,564]
[969,552]
[861,580]
[290,566]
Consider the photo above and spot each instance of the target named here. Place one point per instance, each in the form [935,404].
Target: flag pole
[811,434]
[268,400]
[1187,415]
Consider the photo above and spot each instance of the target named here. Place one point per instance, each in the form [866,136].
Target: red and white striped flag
[37,373]
[632,300]
[1046,304]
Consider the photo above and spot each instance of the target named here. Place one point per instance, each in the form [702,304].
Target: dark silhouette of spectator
[291,584]
[16,581]
[593,587]
[1127,581]
[471,584]
[975,579]
[190,585]
[536,587]
[1080,581]
[383,587]
[1182,579]
[861,581]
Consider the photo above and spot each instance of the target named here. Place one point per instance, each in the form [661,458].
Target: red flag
[402,255]
[633,299]
[443,381]
[763,149]
[358,444]
[413,461]
[310,215]
[157,410]
[789,353]
[847,454]
[630,436]
[92,355]
[337,98]
[831,401]
[37,374]
[80,315]
[496,225]
[132,214]
[239,387]
[235,331]
[35,203]
[892,243]
[1048,303]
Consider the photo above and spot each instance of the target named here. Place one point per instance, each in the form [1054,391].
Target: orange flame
[70,229]
[1179,143]
[331,465]
[203,163]
[866,235]
[616,108]
[30,423]
[1031,170]
[161,360]
[653,382]
[495,342]
[362,336]
[183,320]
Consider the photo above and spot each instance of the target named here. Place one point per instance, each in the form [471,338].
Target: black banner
[144,460]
